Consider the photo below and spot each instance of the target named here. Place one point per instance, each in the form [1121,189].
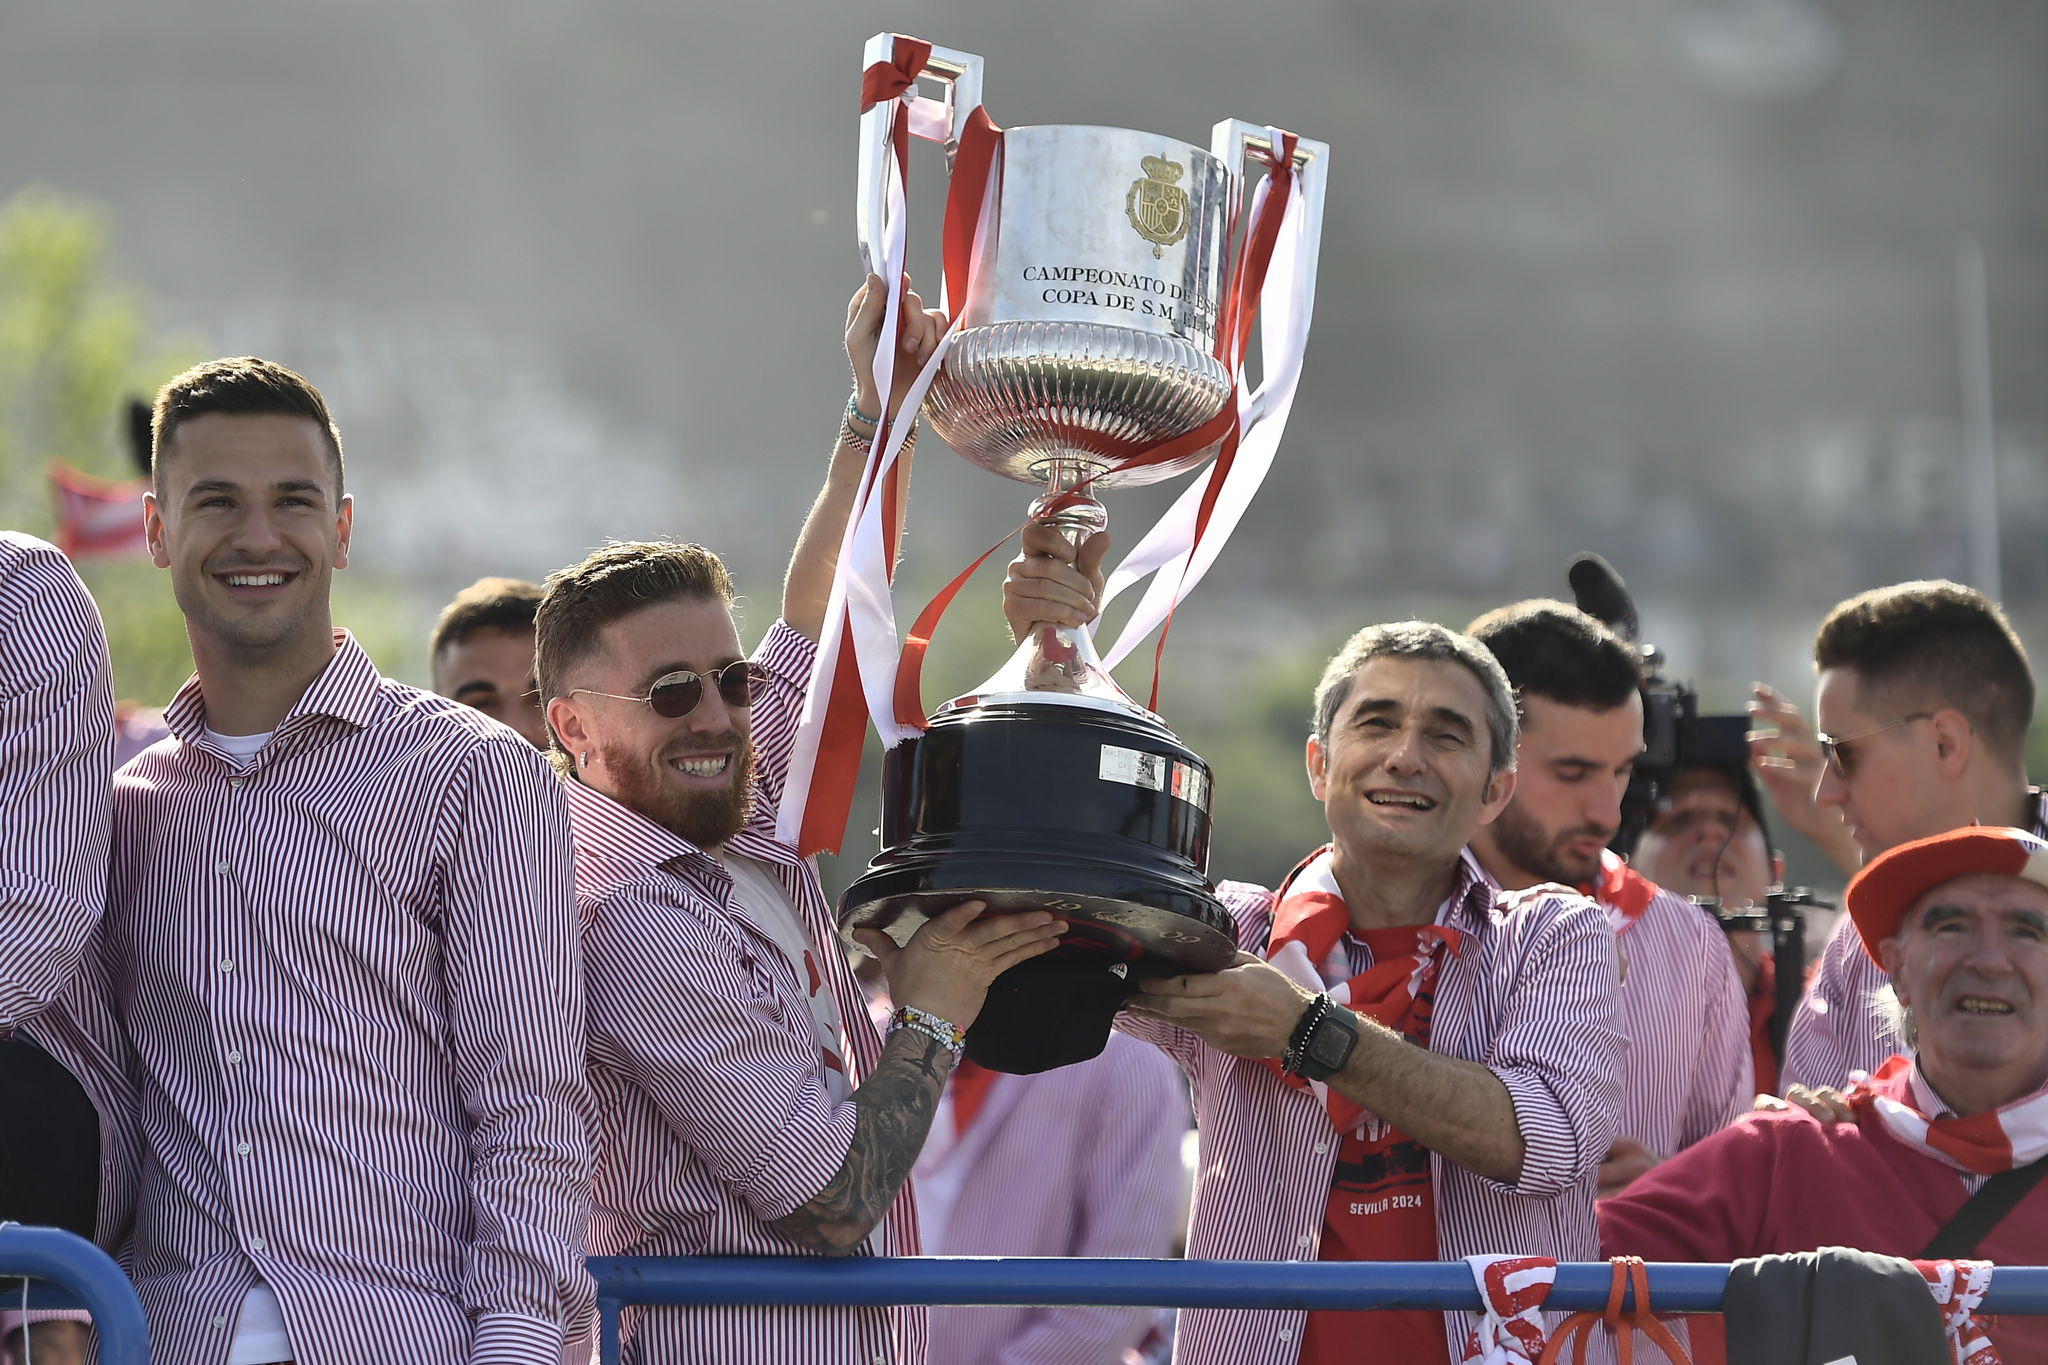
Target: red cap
[1880,895]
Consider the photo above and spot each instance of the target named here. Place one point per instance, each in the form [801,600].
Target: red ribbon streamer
[887,80]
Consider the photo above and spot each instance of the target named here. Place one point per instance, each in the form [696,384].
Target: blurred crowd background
[1684,282]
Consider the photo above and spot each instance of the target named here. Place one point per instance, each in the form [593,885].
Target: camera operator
[1706,838]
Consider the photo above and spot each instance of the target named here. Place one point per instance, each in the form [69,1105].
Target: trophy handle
[961,74]
[1231,143]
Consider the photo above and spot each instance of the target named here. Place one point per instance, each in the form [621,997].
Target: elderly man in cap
[1949,1138]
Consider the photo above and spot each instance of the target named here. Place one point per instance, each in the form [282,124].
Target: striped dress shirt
[1532,995]
[714,1114]
[1689,1072]
[1836,1029]
[1083,1160]
[56,746]
[349,976]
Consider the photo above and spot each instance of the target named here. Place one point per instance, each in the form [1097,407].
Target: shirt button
[221,868]
[255,1244]
[227,964]
[1322,1147]
[241,1149]
[234,1059]
[1286,1335]
[236,782]
[1302,1240]
[220,1322]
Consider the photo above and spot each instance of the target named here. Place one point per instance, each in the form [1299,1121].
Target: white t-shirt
[242,748]
[754,888]
[260,1335]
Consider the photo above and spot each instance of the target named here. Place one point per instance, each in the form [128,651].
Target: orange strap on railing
[1578,1328]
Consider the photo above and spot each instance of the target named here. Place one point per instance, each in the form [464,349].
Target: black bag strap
[1983,1211]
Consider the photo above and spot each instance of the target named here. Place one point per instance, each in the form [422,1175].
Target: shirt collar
[346,689]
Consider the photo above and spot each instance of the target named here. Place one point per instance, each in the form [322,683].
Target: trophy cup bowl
[1088,335]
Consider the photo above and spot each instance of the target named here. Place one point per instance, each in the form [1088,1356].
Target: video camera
[1677,737]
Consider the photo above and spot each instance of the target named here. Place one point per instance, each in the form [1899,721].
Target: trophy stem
[1063,658]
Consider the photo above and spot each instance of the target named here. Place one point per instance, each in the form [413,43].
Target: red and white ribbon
[1510,1330]
[854,678]
[1958,1287]
[1181,546]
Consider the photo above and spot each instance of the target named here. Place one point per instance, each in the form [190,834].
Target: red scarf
[1309,923]
[1621,891]
[1996,1140]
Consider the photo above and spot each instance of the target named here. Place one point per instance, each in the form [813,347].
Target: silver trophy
[1088,335]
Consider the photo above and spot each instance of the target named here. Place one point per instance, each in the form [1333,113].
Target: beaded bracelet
[952,1039]
[1318,1010]
[854,414]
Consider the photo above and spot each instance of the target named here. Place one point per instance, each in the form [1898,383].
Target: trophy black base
[1093,814]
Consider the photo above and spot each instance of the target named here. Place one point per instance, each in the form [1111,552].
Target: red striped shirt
[1836,1029]
[715,1117]
[56,747]
[1689,1072]
[350,978]
[1531,995]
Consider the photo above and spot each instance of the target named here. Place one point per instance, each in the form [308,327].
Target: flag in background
[97,518]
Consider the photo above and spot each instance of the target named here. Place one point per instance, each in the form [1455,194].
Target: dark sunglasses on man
[675,695]
[1837,754]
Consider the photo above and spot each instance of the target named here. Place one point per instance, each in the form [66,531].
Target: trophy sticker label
[1134,769]
[1157,206]
[1191,785]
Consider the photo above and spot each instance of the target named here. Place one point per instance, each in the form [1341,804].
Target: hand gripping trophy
[1105,284]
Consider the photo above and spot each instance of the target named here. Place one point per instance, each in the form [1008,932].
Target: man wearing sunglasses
[746,1105]
[1924,701]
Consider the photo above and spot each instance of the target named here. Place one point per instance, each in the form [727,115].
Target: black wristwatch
[1322,1041]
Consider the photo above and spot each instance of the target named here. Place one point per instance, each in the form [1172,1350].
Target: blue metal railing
[66,1271]
[871,1281]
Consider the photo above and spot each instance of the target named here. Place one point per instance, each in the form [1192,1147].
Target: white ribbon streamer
[1284,308]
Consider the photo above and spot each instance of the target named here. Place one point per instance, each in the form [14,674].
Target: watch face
[1330,1045]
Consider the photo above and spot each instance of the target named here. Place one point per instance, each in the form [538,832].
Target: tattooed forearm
[892,1113]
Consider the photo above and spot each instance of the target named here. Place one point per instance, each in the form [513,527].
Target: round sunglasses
[675,695]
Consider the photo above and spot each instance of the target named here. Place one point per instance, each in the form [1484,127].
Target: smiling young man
[1577,688]
[482,654]
[1960,921]
[341,933]
[1405,1063]
[746,1105]
[1924,700]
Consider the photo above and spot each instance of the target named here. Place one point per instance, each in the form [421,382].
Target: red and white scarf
[1509,1331]
[1996,1140]
[1620,891]
[1958,1287]
[1309,923]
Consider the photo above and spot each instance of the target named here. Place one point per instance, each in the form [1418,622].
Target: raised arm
[807,587]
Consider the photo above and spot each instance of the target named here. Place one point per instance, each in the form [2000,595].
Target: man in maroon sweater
[1960,921]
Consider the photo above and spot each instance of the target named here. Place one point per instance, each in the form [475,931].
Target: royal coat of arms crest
[1158,207]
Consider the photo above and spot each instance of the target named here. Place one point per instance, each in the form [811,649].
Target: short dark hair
[613,582]
[1561,654]
[239,386]
[487,604]
[1936,643]
[1431,643]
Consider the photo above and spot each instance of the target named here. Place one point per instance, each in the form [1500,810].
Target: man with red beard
[1689,1072]
[746,1106]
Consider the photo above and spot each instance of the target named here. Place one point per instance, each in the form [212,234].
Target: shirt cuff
[1551,1149]
[505,1339]
[787,654]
